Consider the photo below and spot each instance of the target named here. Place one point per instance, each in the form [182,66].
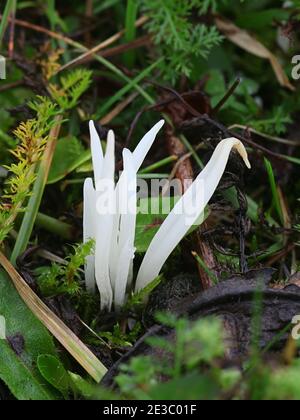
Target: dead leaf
[247,42]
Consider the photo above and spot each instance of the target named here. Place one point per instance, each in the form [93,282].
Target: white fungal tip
[243,152]
[91,125]
[110,136]
[97,153]
[160,124]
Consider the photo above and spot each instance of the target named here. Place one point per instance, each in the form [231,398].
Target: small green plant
[177,38]
[72,86]
[190,364]
[284,383]
[117,338]
[32,137]
[64,278]
[276,123]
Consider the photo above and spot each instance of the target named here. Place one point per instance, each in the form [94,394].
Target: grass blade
[202,264]
[274,190]
[18,370]
[10,4]
[130,30]
[131,84]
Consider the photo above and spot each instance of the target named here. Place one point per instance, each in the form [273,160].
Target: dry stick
[61,332]
[178,163]
[208,257]
[184,170]
[89,8]
[37,28]
[287,224]
[226,96]
[192,110]
[134,122]
[50,147]
[118,109]
[11,85]
[47,255]
[230,133]
[110,52]
[264,135]
[119,49]
[12,31]
[101,46]
[177,95]
[69,41]
[88,15]
[176,168]
[281,254]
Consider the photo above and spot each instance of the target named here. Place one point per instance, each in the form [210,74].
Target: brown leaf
[247,42]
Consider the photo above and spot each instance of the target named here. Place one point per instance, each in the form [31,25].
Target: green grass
[273,186]
[9,7]
[130,30]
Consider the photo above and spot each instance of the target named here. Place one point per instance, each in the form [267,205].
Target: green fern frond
[73,85]
[178,39]
[205,5]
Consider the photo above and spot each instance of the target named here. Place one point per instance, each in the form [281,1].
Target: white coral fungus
[113,230]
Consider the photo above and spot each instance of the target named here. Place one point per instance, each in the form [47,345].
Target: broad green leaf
[19,371]
[68,156]
[91,391]
[54,372]
[84,387]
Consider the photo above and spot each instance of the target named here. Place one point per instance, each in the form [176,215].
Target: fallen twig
[264,135]
[226,96]
[89,53]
